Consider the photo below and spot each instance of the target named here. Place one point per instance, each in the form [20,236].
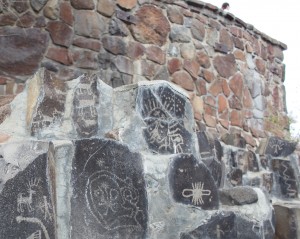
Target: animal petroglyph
[197,192]
[26,201]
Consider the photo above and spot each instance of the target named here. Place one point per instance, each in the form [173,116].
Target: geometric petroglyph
[85,114]
[109,195]
[278,147]
[285,178]
[191,183]
[163,111]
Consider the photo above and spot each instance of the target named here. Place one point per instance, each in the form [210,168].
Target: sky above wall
[279,20]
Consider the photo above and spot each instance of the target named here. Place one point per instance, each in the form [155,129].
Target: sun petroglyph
[196,193]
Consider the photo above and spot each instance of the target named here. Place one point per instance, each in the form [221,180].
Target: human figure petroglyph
[26,201]
[113,201]
[197,192]
[277,146]
[45,208]
[35,235]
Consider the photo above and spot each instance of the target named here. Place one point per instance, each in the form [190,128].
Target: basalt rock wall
[232,72]
[85,160]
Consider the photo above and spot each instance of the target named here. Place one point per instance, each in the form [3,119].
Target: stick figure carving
[196,193]
[26,201]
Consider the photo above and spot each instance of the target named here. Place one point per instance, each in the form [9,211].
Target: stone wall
[232,72]
[84,160]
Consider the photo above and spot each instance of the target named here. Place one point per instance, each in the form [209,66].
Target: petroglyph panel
[85,114]
[26,201]
[277,147]
[191,183]
[164,111]
[51,106]
[285,178]
[109,197]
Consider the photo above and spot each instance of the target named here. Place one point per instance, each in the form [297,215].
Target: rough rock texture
[128,163]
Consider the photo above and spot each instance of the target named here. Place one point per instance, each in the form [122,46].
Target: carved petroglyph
[163,111]
[277,146]
[85,113]
[197,192]
[37,221]
[291,192]
[113,201]
[45,207]
[35,235]
[26,201]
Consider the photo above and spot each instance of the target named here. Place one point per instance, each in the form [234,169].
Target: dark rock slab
[60,33]
[50,108]
[109,197]
[285,178]
[252,162]
[277,147]
[85,115]
[225,225]
[234,139]
[27,207]
[163,110]
[239,160]
[37,5]
[22,49]
[238,196]
[191,183]
[236,177]
[287,220]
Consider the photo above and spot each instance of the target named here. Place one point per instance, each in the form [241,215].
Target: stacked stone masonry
[232,72]
[84,160]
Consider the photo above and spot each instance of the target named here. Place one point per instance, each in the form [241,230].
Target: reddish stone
[135,50]
[210,121]
[222,103]
[175,15]
[174,64]
[214,24]
[89,24]
[236,31]
[203,59]
[239,55]
[225,87]
[247,36]
[127,4]
[115,45]
[224,123]
[66,14]
[236,84]
[124,65]
[236,118]
[23,50]
[40,22]
[60,33]
[60,55]
[83,4]
[249,139]
[202,19]
[187,13]
[235,103]
[8,19]
[210,110]
[238,43]
[155,54]
[85,59]
[226,39]
[198,30]
[256,132]
[183,79]
[209,100]
[201,86]
[215,87]
[106,7]
[26,20]
[87,43]
[276,98]
[225,65]
[260,66]
[208,75]
[192,67]
[153,27]
[20,5]
[247,99]
[249,48]
[148,68]
[264,52]
[256,46]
